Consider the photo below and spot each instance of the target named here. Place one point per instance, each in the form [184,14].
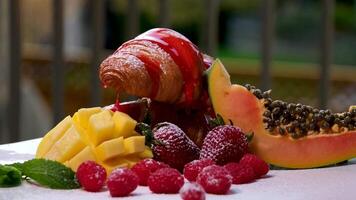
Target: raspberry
[240,173]
[91,176]
[259,166]
[192,169]
[145,168]
[192,191]
[215,179]
[165,180]
[121,182]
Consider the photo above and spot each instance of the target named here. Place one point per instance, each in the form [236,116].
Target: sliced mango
[83,134]
[52,136]
[66,147]
[131,160]
[101,135]
[100,127]
[83,115]
[114,163]
[147,153]
[124,125]
[84,155]
[134,144]
[110,149]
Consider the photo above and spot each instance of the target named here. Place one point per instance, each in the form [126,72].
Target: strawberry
[170,144]
[224,144]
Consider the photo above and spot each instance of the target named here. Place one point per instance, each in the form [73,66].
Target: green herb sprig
[47,173]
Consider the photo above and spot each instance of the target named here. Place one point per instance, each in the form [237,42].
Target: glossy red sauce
[153,70]
[183,52]
[116,106]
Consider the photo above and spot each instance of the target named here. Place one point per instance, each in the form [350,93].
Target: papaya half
[285,134]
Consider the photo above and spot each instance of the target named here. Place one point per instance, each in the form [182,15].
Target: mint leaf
[17,165]
[9,176]
[50,173]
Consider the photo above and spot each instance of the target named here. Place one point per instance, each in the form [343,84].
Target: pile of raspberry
[204,176]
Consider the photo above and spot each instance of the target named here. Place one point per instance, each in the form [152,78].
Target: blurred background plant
[294,69]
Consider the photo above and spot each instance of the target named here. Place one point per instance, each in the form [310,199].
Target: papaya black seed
[325,125]
[248,86]
[347,120]
[298,110]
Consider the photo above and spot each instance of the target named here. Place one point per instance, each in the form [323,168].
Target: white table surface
[324,183]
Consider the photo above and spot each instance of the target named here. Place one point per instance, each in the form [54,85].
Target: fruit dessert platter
[190,133]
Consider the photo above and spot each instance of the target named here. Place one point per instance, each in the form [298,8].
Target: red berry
[165,180]
[122,182]
[145,168]
[240,173]
[91,176]
[174,148]
[192,191]
[259,166]
[224,144]
[192,169]
[215,179]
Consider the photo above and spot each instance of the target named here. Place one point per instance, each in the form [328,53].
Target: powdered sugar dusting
[192,191]
[224,144]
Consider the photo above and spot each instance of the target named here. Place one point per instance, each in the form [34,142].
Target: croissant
[160,64]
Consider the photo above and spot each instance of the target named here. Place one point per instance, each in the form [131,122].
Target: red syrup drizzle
[183,52]
[153,70]
[116,107]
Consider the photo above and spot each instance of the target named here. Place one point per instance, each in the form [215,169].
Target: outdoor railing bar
[267,32]
[58,62]
[14,101]
[326,51]
[163,15]
[98,28]
[132,19]
[210,26]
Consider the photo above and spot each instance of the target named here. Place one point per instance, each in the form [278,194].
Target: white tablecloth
[324,183]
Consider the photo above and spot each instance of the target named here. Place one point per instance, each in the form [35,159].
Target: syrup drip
[116,106]
[184,53]
[153,70]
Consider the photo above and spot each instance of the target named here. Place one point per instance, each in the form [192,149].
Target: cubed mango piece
[83,133]
[147,153]
[134,144]
[53,136]
[131,160]
[110,149]
[84,155]
[83,115]
[114,163]
[100,127]
[66,147]
[124,125]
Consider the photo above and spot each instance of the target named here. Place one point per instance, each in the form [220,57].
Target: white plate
[324,183]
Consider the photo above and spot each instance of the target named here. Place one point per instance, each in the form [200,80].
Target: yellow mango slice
[124,125]
[83,115]
[84,155]
[75,118]
[131,160]
[53,136]
[134,144]
[100,127]
[114,163]
[66,147]
[147,153]
[110,149]
[83,133]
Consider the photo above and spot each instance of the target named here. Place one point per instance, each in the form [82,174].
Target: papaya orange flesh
[236,103]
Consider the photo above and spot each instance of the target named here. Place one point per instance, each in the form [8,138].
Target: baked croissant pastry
[160,64]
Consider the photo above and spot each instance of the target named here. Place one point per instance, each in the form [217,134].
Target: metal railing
[209,39]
